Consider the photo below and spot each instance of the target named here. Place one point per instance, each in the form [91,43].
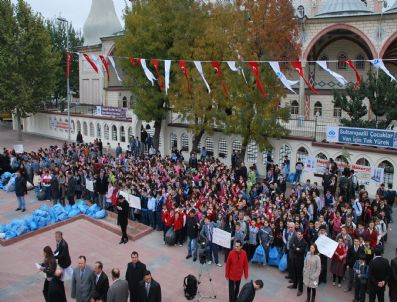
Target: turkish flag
[156,66]
[134,62]
[255,69]
[68,63]
[93,65]
[358,78]
[105,64]
[218,71]
[182,65]
[299,69]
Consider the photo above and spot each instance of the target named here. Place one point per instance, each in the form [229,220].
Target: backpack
[190,285]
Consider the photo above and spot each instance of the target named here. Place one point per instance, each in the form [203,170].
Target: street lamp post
[63,20]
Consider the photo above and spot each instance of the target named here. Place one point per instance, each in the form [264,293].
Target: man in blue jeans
[192,226]
[298,171]
[20,191]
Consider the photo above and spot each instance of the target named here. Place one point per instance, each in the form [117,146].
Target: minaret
[102,21]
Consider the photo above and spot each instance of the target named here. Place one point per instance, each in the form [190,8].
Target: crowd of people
[196,196]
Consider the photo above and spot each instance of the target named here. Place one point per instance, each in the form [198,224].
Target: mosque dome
[102,21]
[343,8]
[393,9]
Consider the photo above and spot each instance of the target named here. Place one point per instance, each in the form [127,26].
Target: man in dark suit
[353,254]
[101,187]
[122,218]
[149,290]
[101,283]
[71,188]
[393,279]
[118,292]
[61,253]
[298,246]
[20,191]
[134,275]
[378,276]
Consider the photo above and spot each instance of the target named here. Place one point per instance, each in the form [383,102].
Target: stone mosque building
[337,30]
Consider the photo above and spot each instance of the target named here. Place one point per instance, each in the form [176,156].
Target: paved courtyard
[19,280]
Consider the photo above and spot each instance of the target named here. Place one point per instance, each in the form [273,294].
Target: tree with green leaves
[27,61]
[382,95]
[155,29]
[60,33]
[351,101]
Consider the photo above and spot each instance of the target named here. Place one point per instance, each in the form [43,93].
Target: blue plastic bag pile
[7,181]
[275,259]
[45,215]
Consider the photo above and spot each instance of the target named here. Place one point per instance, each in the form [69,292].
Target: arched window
[363,162]
[337,111]
[341,162]
[125,102]
[129,133]
[173,141]
[122,134]
[106,132]
[209,145]
[301,11]
[98,130]
[267,157]
[85,129]
[285,150]
[321,156]
[222,147]
[185,142]
[78,126]
[302,154]
[92,130]
[252,152]
[72,126]
[341,61]
[360,62]
[318,109]
[114,133]
[236,145]
[389,172]
[294,107]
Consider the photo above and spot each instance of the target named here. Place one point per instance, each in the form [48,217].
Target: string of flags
[98,63]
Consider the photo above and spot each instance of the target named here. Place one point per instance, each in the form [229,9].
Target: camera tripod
[204,270]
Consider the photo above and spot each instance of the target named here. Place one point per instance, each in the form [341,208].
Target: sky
[75,11]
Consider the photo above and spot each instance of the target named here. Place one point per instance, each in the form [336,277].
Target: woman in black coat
[55,189]
[48,267]
[122,219]
[56,289]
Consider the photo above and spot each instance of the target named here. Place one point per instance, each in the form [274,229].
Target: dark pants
[124,236]
[350,278]
[47,193]
[179,236]
[323,273]
[158,221]
[311,294]
[290,267]
[45,289]
[359,291]
[234,288]
[334,279]
[151,218]
[71,200]
[375,292]
[393,294]
[145,217]
[298,272]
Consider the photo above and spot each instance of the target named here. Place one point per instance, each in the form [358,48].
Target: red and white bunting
[255,69]
[105,65]
[217,68]
[378,64]
[182,65]
[89,60]
[337,76]
[299,69]
[200,71]
[281,76]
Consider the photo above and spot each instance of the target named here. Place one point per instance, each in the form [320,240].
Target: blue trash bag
[2,228]
[10,186]
[42,221]
[291,177]
[80,202]
[274,257]
[92,210]
[5,177]
[62,216]
[73,213]
[259,255]
[58,209]
[21,229]
[44,208]
[100,214]
[41,213]
[68,208]
[283,265]
[9,235]
[83,208]
[33,225]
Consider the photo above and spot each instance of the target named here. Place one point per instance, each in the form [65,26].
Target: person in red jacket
[236,265]
[168,219]
[372,234]
[178,226]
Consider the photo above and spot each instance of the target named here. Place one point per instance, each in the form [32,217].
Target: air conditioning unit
[314,3]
